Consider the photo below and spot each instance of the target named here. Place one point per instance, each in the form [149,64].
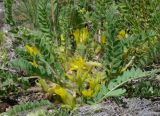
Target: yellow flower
[66,97]
[82,11]
[93,82]
[93,86]
[77,63]
[62,37]
[57,89]
[80,35]
[87,92]
[103,39]
[34,63]
[32,50]
[121,34]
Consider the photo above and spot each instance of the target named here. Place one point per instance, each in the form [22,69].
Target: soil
[127,106]
[30,95]
[133,107]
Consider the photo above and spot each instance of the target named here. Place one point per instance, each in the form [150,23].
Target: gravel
[134,107]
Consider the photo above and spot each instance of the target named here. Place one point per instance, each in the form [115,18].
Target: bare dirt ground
[128,106]
[133,107]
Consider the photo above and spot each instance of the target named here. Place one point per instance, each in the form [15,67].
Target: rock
[1,15]
[158,78]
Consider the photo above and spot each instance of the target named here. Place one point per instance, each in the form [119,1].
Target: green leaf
[112,89]
[117,92]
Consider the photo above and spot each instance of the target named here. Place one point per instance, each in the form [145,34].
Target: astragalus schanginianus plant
[82,51]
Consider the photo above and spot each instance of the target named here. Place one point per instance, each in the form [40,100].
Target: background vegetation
[81,51]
